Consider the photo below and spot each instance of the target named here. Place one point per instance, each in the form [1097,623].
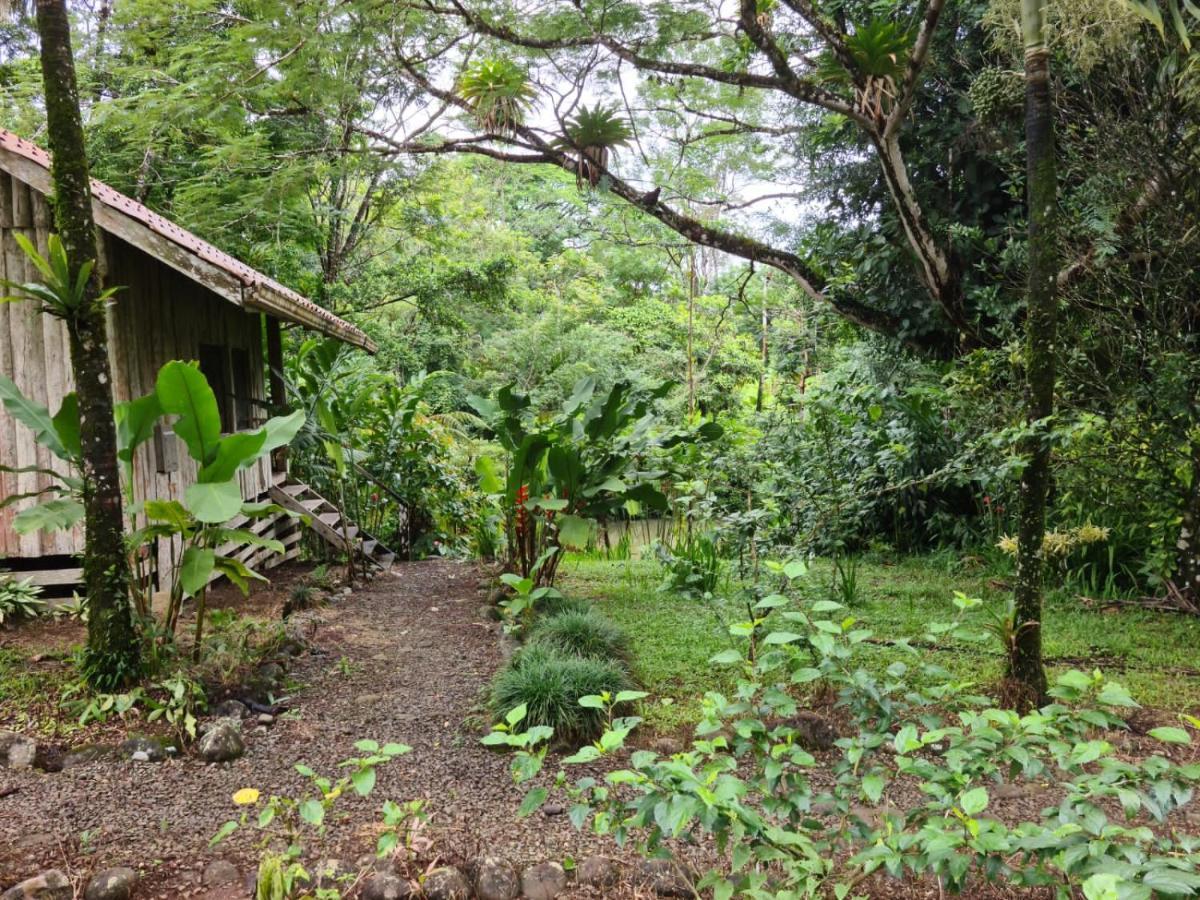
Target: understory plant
[19,599]
[602,457]
[549,684]
[584,634]
[291,825]
[911,786]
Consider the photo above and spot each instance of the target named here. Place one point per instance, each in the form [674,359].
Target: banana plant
[202,520]
[602,455]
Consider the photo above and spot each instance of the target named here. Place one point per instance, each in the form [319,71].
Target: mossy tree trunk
[1025,658]
[113,655]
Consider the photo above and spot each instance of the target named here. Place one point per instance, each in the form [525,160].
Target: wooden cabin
[182,298]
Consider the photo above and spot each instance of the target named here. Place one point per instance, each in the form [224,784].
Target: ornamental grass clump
[556,604]
[583,634]
[549,684]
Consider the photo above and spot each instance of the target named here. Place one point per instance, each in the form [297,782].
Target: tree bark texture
[1025,662]
[112,657]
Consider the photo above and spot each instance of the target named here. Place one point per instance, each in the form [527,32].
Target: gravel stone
[222,742]
[266,719]
[666,878]
[598,871]
[219,872]
[544,881]
[143,749]
[112,884]
[17,751]
[231,709]
[384,886]
[50,885]
[495,879]
[446,883]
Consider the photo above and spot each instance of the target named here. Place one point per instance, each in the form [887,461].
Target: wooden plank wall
[159,316]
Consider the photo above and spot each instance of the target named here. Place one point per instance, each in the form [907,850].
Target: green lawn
[673,638]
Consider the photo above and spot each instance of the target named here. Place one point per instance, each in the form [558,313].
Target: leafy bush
[692,565]
[19,600]
[549,684]
[583,634]
[1110,827]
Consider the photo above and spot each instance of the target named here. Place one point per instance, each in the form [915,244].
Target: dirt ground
[406,658]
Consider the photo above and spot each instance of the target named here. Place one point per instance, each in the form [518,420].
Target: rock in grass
[495,879]
[112,884]
[221,742]
[598,871]
[50,885]
[385,886]
[17,751]
[446,883]
[544,881]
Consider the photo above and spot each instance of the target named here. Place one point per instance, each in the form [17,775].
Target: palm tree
[1025,669]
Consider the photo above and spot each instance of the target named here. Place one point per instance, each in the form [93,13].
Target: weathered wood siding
[160,315]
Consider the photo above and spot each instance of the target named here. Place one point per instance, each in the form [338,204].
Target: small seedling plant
[747,780]
[294,821]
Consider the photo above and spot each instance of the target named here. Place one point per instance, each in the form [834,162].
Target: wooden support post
[277,397]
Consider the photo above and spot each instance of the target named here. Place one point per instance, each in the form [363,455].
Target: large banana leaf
[33,416]
[53,515]
[135,424]
[183,391]
[213,502]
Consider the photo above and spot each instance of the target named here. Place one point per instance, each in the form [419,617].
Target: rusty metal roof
[261,291]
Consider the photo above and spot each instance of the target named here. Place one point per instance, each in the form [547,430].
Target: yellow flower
[245,797]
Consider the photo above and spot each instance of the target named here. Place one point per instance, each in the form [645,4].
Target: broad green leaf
[726,658]
[233,452]
[795,568]
[363,781]
[630,696]
[170,511]
[872,786]
[532,802]
[183,391]
[195,569]
[974,801]
[135,424]
[279,431]
[490,481]
[1102,886]
[33,416]
[53,515]
[592,701]
[213,502]
[66,426]
[574,531]
[516,714]
[312,812]
[1170,735]
[223,832]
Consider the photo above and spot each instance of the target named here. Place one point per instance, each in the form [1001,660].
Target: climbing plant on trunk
[112,658]
[1041,319]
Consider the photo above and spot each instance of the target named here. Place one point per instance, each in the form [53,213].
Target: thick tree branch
[916,62]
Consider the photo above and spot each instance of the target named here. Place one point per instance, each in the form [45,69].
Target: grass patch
[673,638]
[550,684]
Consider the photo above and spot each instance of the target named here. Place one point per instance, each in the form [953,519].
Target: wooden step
[312,505]
[350,532]
[369,546]
[295,489]
[278,478]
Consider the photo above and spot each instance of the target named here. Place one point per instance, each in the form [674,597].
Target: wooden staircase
[328,522]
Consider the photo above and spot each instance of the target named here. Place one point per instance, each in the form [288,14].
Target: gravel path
[406,658]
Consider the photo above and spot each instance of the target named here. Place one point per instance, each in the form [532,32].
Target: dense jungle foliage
[696,223]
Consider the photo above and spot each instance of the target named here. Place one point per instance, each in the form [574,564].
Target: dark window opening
[242,389]
[215,369]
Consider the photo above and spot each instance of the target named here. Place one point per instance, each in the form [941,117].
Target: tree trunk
[112,657]
[1187,547]
[1025,662]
